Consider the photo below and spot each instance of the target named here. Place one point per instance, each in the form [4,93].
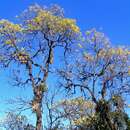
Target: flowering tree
[77,112]
[28,47]
[101,72]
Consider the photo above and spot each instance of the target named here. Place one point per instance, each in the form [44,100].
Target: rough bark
[38,97]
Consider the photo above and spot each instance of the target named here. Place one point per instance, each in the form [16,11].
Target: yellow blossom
[56,24]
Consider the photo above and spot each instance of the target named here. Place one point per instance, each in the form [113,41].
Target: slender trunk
[37,101]
[37,107]
[39,119]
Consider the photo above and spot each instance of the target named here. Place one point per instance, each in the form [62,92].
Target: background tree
[77,112]
[100,71]
[28,48]
[14,121]
[80,113]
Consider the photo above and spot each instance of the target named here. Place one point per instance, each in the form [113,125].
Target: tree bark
[39,119]
[38,96]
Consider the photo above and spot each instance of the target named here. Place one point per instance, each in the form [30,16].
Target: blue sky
[112,16]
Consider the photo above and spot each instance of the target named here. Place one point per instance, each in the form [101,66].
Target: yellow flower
[120,51]
[55,24]
[8,42]
[17,27]
[7,26]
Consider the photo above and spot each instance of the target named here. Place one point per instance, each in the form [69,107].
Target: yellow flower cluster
[113,51]
[55,24]
[83,104]
[6,26]
[81,121]
[9,31]
[79,101]
[119,51]
[8,42]
[84,120]
[22,57]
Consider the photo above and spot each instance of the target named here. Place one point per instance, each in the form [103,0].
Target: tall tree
[100,71]
[28,47]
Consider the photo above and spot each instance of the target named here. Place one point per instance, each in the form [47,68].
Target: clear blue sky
[113,16]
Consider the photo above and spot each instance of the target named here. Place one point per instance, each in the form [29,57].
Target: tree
[100,71]
[28,47]
[78,112]
[14,121]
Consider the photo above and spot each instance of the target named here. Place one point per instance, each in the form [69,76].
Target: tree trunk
[37,107]
[103,110]
[39,119]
